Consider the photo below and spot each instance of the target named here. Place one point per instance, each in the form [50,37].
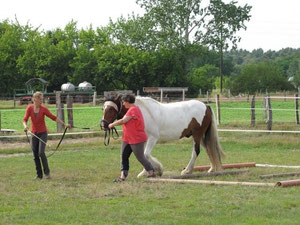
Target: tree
[262,76]
[174,21]
[12,38]
[223,23]
[202,78]
[294,72]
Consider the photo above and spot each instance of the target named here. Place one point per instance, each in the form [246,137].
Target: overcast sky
[274,25]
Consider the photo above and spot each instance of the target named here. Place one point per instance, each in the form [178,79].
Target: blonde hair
[37,94]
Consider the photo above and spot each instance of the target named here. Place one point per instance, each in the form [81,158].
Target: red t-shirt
[134,129]
[38,124]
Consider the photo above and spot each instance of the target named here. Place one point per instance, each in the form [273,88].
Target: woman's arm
[124,120]
[25,119]
[25,126]
[62,123]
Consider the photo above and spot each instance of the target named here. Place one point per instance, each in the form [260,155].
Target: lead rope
[107,135]
[61,139]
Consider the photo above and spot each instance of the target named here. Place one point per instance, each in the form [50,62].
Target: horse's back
[167,121]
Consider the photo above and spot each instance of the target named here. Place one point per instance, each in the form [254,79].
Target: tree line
[174,44]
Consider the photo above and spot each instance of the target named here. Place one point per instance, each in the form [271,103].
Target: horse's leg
[155,163]
[195,153]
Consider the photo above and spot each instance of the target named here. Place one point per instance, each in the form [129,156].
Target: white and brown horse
[172,121]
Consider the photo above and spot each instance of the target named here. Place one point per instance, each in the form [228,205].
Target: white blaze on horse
[172,121]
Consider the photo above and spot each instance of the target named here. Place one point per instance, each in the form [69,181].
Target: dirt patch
[24,144]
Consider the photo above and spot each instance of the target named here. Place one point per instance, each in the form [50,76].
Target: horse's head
[112,109]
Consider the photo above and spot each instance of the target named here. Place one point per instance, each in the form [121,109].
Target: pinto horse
[172,121]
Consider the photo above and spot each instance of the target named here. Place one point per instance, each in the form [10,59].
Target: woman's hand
[25,129]
[67,125]
[110,125]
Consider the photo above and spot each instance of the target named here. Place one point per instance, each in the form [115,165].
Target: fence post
[207,94]
[253,111]
[59,110]
[296,108]
[218,109]
[70,110]
[265,108]
[269,122]
[95,98]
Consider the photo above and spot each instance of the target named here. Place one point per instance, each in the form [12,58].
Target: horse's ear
[118,97]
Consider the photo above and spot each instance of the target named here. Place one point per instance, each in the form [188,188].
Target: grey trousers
[38,149]
[138,150]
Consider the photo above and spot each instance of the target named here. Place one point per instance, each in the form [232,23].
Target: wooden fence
[268,112]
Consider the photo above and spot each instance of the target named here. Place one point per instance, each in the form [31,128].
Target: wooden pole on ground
[227,166]
[288,183]
[279,175]
[212,174]
[211,182]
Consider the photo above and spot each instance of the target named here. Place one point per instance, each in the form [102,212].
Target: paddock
[82,190]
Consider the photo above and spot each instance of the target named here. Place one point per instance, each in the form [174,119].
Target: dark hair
[130,98]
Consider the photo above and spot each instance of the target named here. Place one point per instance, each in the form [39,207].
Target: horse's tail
[212,144]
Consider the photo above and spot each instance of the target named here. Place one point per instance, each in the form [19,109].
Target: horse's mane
[138,98]
[144,99]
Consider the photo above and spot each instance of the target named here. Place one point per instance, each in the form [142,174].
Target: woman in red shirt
[134,137]
[37,113]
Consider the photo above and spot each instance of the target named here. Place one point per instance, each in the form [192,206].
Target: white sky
[274,25]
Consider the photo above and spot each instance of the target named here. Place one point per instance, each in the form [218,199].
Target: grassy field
[82,191]
[83,116]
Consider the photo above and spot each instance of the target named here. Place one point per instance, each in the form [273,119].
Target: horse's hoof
[211,170]
[184,172]
[141,174]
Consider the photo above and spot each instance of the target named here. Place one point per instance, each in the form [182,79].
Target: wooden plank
[229,183]
[227,166]
[219,173]
[288,183]
[267,176]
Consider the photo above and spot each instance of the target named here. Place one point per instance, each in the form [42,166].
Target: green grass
[84,116]
[237,114]
[82,192]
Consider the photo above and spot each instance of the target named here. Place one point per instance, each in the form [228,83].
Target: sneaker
[48,176]
[119,179]
[38,178]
